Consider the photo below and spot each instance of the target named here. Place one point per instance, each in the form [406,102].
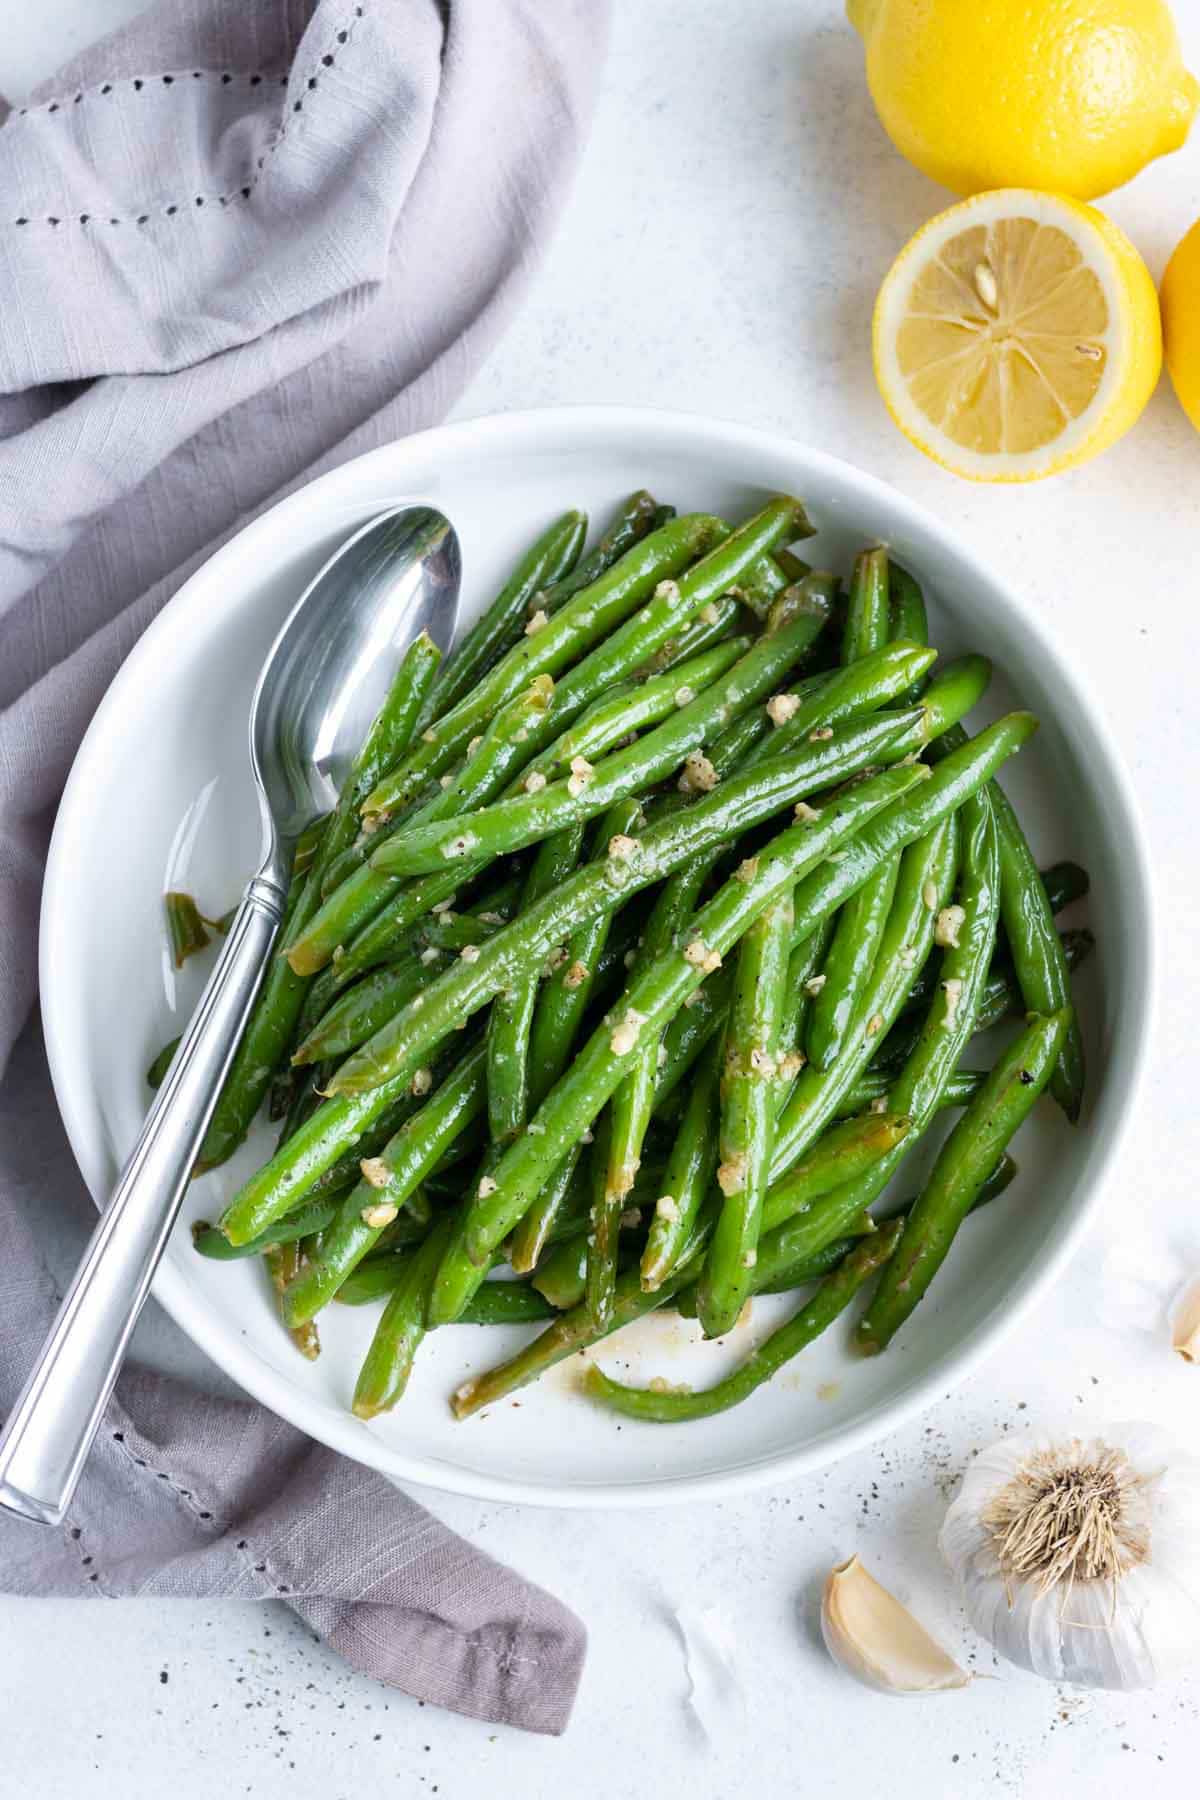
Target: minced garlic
[782,707]
[379,1215]
[948,925]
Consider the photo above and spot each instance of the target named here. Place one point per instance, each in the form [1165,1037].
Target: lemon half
[1017,335]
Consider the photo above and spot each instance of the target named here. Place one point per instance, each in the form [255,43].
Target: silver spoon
[321,685]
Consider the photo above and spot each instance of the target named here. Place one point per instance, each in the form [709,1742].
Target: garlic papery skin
[1079,1558]
[878,1641]
[1185,1323]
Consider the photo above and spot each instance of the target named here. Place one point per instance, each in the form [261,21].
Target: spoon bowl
[329,669]
[324,679]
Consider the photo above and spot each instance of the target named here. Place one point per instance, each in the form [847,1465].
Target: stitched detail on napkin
[139,83]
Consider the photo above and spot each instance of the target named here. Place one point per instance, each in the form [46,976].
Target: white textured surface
[737,209]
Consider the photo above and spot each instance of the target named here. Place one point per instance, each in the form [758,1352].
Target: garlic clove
[1185,1323]
[878,1641]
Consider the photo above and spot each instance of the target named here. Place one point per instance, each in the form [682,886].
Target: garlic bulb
[1080,1558]
[877,1640]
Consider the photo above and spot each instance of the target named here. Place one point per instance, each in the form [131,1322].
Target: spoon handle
[50,1430]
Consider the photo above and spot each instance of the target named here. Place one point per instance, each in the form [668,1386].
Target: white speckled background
[736,210]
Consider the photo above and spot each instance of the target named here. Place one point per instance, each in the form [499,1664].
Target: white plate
[160,796]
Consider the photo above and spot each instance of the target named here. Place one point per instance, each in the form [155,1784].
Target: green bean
[819,1264]
[393,731]
[802,1249]
[921,1085]
[1001,998]
[806,959]
[563,997]
[571,1332]
[967,1157]
[561,1002]
[651,998]
[615,716]
[277,1008]
[876,1085]
[714,624]
[859,926]
[957,777]
[794,567]
[867,611]
[345,1170]
[561,1275]
[749,1078]
[512,1012]
[362,1010]
[843,694]
[387,1181]
[690,1169]
[828,1218]
[702,1016]
[210,1242]
[808,1270]
[586,618]
[511,824]
[388,1363]
[284,1262]
[263,1043]
[634,520]
[857,935]
[381,1071]
[633,1102]
[156,1073]
[843,1153]
[496,1303]
[1064,883]
[363,895]
[760,586]
[926,870]
[1037,953]
[449,930]
[818,1313]
[292,1096]
[534,1231]
[906,607]
[604,1226]
[507,1303]
[185,927]
[951,693]
[309,841]
[804,1237]
[549,559]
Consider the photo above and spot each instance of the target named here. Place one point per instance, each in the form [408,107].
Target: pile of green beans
[645,942]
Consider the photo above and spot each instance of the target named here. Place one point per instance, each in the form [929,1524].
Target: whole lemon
[1180,300]
[1070,96]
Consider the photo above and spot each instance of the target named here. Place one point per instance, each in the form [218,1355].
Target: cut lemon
[1181,322]
[1017,335]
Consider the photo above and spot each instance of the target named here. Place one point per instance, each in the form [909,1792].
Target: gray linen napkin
[241,241]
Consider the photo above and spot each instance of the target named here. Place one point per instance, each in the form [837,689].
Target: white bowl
[160,796]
